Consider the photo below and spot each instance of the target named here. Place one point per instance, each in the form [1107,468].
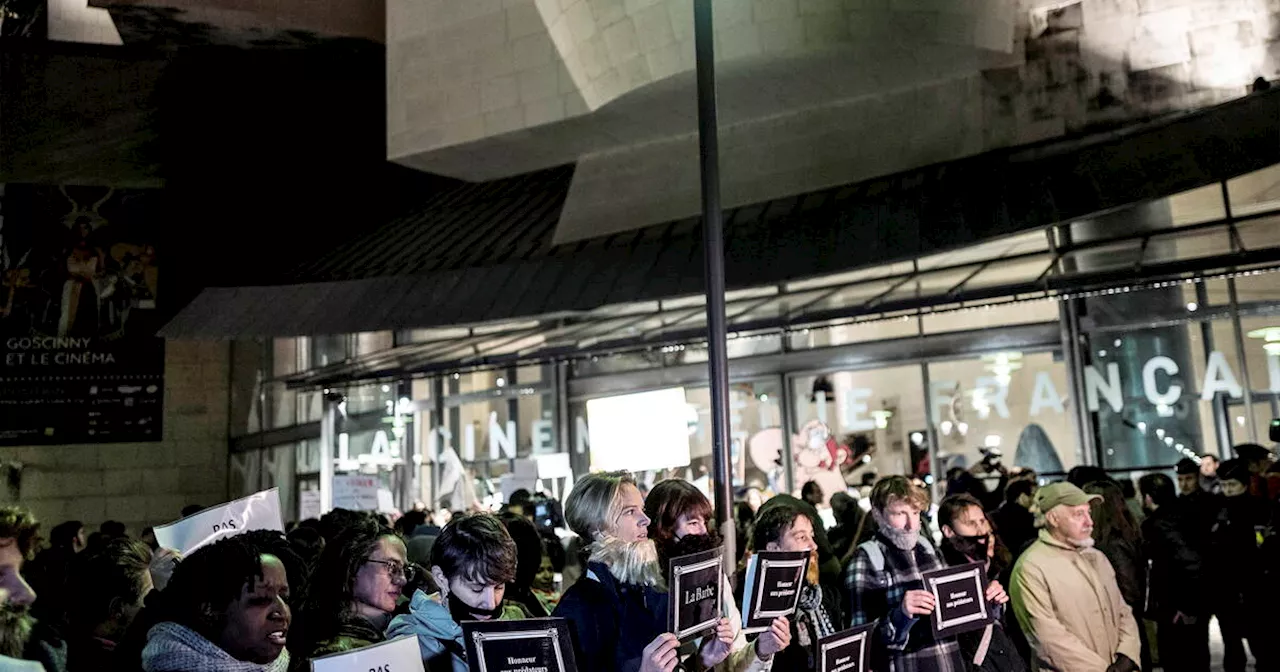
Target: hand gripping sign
[397,655]
[961,595]
[772,589]
[259,511]
[694,583]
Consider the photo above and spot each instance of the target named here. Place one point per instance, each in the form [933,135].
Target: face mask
[461,611]
[970,547]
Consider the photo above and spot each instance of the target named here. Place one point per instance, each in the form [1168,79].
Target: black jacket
[612,622]
[1016,527]
[1003,653]
[1176,568]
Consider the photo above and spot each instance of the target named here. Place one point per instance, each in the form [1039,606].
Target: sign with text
[79,358]
[309,504]
[529,645]
[396,655]
[772,588]
[960,593]
[355,492]
[259,511]
[848,651]
[694,583]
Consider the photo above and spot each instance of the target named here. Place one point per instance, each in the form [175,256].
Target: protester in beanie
[1065,593]
[884,583]
[226,609]
[352,593]
[679,516]
[106,586]
[1175,599]
[966,538]
[782,526]
[472,561]
[616,608]
[18,530]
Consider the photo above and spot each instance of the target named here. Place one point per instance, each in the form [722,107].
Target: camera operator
[972,482]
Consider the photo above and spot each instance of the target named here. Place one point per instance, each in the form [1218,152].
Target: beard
[1086,542]
[15,631]
[902,539]
[634,562]
[812,572]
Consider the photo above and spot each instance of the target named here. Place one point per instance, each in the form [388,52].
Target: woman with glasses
[353,592]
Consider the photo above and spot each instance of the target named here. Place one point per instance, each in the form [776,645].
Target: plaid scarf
[175,648]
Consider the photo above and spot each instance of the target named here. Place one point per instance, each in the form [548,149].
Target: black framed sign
[527,645]
[772,588]
[848,651]
[694,583]
[960,593]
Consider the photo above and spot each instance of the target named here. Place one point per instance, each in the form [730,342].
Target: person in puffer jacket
[472,561]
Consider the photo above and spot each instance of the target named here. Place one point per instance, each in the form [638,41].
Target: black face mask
[461,611]
[974,548]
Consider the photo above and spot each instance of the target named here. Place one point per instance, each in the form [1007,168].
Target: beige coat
[1068,604]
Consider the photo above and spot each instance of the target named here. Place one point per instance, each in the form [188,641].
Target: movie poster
[79,359]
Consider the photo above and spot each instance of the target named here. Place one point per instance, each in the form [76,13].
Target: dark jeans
[1184,648]
[1238,625]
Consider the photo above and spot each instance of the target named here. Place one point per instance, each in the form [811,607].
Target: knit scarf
[175,648]
[812,620]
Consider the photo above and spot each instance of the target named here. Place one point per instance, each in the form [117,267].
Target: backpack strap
[874,554]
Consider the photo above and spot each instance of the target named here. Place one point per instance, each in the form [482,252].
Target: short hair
[528,548]
[772,523]
[894,488]
[590,505]
[1017,489]
[1084,474]
[477,548]
[521,496]
[17,523]
[809,488]
[1184,467]
[670,499]
[101,579]
[410,522]
[63,535]
[1159,488]
[951,506]
[112,529]
[1210,456]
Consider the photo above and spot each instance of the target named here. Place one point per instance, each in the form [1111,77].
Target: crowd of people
[1078,571]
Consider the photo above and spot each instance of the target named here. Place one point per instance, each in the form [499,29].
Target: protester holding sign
[472,561]
[783,526]
[616,608]
[226,609]
[679,515]
[353,593]
[884,584]
[967,538]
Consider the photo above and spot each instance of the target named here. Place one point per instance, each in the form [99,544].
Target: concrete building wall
[144,483]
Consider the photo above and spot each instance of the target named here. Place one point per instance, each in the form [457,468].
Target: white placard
[386,503]
[393,656]
[260,511]
[355,492]
[308,504]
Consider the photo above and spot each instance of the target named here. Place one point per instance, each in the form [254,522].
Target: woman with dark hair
[1117,534]
[353,592]
[226,609]
[680,523]
[528,561]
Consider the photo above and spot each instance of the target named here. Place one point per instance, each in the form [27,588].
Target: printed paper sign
[848,651]
[355,492]
[531,644]
[772,589]
[400,654]
[960,593]
[308,504]
[694,583]
[259,511]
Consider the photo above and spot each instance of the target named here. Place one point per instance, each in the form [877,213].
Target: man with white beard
[1065,593]
[884,584]
[617,608]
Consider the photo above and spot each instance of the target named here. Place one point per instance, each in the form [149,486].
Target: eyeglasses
[396,569]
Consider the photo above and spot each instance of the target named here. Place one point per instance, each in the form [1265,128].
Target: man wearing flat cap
[1065,593]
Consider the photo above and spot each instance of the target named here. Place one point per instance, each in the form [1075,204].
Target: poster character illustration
[78,315]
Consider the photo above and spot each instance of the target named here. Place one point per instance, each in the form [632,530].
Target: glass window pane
[1256,192]
[1023,312]
[374,341]
[819,336]
[1198,205]
[326,350]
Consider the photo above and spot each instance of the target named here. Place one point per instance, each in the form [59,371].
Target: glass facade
[1128,371]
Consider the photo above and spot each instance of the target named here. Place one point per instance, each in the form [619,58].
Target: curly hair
[327,599]
[476,547]
[772,524]
[17,523]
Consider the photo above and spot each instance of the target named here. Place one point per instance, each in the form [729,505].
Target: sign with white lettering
[396,655]
[772,589]
[529,645]
[960,593]
[355,492]
[259,511]
[694,583]
[848,651]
